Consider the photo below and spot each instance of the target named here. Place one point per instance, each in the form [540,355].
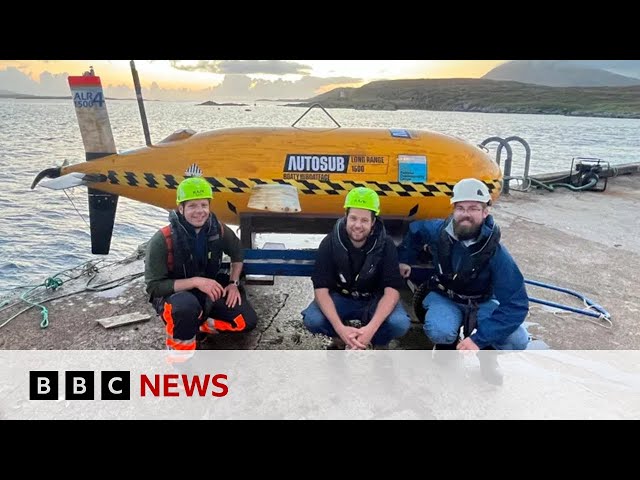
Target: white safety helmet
[470,189]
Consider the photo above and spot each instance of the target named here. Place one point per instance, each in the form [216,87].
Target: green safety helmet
[193,188]
[362,197]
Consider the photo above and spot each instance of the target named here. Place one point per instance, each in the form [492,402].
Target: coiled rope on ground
[51,284]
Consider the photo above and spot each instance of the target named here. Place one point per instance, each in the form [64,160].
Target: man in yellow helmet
[182,271]
[356,277]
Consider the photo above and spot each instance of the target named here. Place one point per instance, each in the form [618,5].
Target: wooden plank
[126,319]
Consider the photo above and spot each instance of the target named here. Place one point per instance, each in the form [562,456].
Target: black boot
[489,367]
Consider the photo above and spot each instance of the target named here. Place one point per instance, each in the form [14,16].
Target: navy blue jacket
[501,271]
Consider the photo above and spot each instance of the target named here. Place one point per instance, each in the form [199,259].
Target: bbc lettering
[116,385]
[79,385]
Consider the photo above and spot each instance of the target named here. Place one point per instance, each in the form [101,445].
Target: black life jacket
[362,284]
[460,285]
[181,261]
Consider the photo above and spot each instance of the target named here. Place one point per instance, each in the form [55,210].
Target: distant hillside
[629,68]
[560,73]
[478,95]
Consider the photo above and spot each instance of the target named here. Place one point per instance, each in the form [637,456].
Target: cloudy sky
[200,80]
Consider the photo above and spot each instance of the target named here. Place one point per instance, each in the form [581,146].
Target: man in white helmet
[476,283]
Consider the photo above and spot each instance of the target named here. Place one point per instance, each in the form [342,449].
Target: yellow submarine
[413,171]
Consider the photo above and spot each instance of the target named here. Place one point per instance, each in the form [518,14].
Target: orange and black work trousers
[187,313]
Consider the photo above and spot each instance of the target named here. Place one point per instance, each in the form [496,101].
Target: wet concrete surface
[585,241]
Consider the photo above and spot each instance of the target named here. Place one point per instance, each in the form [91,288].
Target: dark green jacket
[156,273]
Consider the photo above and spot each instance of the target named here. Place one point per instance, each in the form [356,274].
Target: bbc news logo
[116,385]
[79,385]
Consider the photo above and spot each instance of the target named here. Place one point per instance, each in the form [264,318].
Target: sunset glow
[190,79]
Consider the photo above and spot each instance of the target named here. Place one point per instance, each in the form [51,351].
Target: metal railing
[503,143]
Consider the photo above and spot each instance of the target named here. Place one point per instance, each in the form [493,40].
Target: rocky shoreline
[468,107]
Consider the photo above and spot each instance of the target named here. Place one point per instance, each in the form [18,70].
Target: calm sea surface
[41,233]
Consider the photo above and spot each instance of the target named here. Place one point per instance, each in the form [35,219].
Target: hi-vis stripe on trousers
[184,316]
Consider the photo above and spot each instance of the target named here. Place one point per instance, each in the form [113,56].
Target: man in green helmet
[182,271]
[356,277]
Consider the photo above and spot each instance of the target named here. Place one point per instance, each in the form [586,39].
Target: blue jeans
[444,319]
[394,326]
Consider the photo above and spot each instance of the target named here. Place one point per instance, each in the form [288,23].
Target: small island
[214,104]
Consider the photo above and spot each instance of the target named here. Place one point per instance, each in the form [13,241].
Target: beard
[468,231]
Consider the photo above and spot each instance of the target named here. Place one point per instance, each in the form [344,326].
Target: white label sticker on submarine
[296,162]
[412,168]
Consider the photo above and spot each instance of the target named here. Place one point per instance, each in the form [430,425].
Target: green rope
[51,283]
